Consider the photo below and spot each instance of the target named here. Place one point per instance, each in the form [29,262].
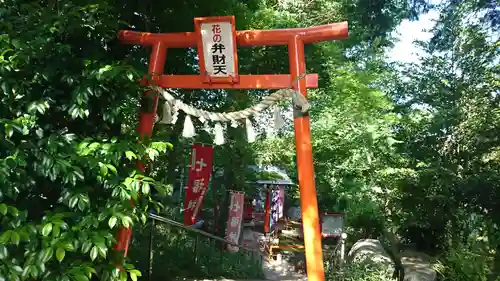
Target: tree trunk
[394,252]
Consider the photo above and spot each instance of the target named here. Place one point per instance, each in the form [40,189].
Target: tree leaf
[112,222]
[133,276]
[60,253]
[3,209]
[73,201]
[47,229]
[136,273]
[145,188]
[112,169]
[3,252]
[86,246]
[15,238]
[9,130]
[130,155]
[123,276]
[126,221]
[13,211]
[56,230]
[102,250]
[80,277]
[93,253]
[46,254]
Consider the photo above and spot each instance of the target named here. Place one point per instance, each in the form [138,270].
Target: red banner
[200,170]
[235,218]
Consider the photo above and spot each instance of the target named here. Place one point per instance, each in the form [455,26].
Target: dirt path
[280,270]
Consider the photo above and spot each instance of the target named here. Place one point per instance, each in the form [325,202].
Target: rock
[368,250]
[418,266]
[371,253]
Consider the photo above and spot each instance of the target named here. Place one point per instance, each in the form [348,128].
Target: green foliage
[66,164]
[359,272]
[412,148]
[465,263]
[195,256]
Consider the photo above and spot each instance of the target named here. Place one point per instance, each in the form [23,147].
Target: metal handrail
[253,253]
[201,232]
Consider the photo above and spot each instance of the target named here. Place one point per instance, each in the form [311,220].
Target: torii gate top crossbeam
[335,31]
[275,37]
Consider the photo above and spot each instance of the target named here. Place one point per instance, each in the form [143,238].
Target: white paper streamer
[219,134]
[278,119]
[188,131]
[250,131]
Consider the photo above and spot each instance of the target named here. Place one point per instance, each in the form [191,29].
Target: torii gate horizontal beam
[274,37]
[267,81]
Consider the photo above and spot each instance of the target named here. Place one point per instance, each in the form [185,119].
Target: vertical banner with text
[277,204]
[200,169]
[235,219]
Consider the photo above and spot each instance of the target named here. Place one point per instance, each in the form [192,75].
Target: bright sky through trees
[407,32]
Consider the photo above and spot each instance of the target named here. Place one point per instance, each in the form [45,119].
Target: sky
[407,32]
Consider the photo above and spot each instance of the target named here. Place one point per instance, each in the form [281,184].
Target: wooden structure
[295,39]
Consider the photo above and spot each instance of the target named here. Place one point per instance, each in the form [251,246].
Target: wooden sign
[234,221]
[217,49]
[332,224]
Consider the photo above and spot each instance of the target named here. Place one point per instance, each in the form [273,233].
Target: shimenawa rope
[173,105]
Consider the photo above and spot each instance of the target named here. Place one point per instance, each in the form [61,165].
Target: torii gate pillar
[294,38]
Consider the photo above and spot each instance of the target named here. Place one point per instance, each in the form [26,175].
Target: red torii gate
[294,38]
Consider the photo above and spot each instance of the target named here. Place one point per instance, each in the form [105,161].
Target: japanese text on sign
[277,203]
[200,169]
[235,219]
[218,48]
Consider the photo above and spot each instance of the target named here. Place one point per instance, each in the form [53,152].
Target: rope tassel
[250,131]
[219,134]
[188,131]
[167,113]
